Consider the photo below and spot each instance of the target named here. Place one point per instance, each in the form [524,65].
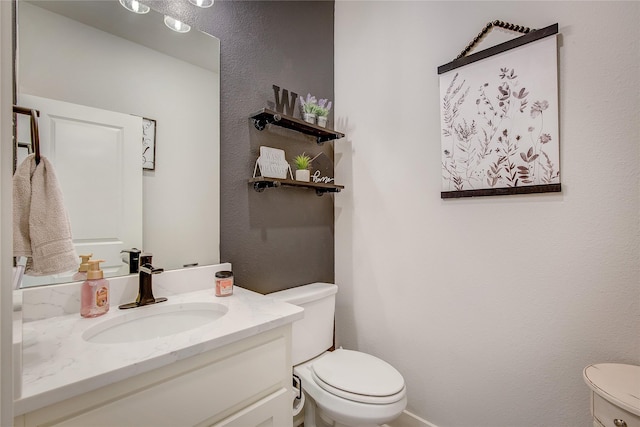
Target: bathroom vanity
[615,394]
[231,369]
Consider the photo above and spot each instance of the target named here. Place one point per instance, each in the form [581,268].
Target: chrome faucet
[145,284]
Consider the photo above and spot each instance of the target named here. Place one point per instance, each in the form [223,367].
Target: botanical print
[148,144]
[499,120]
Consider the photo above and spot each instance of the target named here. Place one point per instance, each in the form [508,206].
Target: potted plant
[309,108]
[322,111]
[302,163]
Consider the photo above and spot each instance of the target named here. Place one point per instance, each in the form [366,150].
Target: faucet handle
[145,264]
[132,258]
[146,258]
[149,269]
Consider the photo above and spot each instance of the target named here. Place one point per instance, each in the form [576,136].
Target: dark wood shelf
[260,183]
[266,116]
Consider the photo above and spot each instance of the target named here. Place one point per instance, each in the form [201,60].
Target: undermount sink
[155,321]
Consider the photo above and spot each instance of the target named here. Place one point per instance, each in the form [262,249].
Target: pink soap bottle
[81,274]
[94,298]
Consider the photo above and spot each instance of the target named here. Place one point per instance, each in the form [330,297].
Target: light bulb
[202,3]
[135,6]
[176,25]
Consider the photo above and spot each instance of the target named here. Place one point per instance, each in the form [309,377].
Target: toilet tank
[313,334]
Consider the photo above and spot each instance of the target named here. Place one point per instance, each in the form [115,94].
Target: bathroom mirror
[99,55]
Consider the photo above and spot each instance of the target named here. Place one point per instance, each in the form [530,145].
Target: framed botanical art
[499,119]
[148,144]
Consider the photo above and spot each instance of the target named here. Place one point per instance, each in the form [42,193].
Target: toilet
[343,387]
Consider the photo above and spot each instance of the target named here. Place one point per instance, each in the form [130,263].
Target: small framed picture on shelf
[148,144]
[272,164]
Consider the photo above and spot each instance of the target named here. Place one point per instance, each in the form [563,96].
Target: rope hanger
[487,28]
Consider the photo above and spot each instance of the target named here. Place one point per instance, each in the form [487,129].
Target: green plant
[323,107]
[302,161]
[321,112]
[317,110]
[309,105]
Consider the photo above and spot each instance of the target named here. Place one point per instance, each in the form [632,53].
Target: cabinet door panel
[272,411]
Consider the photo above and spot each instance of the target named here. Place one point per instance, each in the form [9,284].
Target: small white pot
[309,118]
[303,175]
[322,121]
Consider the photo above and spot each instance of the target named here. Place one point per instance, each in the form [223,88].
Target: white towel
[41,228]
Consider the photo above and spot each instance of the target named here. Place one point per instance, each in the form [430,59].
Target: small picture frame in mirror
[148,144]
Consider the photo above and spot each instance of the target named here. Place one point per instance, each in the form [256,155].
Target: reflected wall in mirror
[97,55]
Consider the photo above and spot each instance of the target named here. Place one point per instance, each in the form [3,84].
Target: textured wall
[280,238]
[490,307]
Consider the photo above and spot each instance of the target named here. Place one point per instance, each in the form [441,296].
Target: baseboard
[407,419]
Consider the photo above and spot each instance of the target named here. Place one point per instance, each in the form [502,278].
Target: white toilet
[343,387]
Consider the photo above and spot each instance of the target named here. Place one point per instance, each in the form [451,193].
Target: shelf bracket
[261,185]
[320,191]
[262,122]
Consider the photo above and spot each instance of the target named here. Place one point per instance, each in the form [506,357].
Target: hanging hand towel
[41,229]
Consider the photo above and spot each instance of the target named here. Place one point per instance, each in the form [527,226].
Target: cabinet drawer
[272,411]
[205,392]
[606,412]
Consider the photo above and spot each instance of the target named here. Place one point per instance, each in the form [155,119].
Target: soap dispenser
[95,291]
[81,274]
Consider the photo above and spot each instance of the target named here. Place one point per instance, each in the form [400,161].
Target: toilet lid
[358,376]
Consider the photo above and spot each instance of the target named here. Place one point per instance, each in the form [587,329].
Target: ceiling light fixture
[135,6]
[176,25]
[202,3]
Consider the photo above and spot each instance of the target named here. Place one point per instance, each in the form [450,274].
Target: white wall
[72,62]
[490,307]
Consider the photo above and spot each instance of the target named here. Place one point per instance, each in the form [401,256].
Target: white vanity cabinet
[615,394]
[242,384]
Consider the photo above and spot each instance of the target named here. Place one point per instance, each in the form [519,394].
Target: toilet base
[314,416]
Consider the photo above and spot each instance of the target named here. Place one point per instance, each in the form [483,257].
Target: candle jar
[224,283]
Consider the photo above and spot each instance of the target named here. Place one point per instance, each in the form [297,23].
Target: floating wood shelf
[266,116]
[260,183]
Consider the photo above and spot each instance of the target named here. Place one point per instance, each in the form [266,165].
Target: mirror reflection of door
[97,159]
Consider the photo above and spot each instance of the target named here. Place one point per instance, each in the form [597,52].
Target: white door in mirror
[96,154]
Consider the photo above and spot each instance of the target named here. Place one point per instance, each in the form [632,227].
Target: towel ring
[35,134]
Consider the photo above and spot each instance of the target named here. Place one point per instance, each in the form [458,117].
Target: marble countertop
[59,364]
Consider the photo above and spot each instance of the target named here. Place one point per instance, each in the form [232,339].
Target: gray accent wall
[280,238]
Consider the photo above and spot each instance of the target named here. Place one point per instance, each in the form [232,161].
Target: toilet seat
[358,377]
